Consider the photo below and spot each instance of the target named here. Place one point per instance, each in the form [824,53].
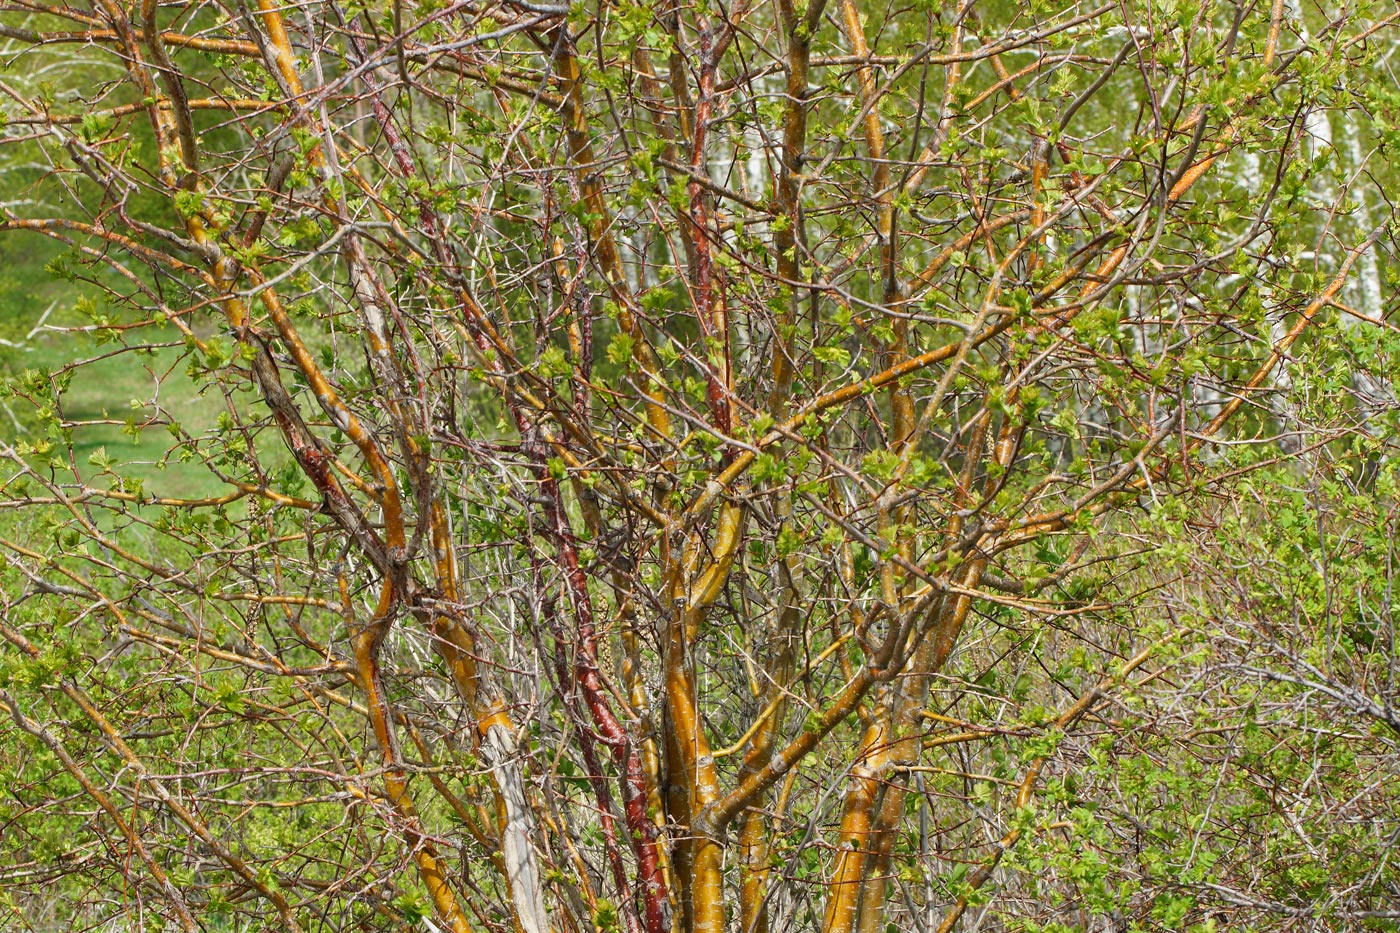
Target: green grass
[118,389]
[114,388]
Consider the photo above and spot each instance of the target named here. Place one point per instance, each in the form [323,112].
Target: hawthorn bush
[697,467]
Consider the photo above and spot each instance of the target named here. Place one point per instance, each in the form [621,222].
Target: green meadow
[117,407]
